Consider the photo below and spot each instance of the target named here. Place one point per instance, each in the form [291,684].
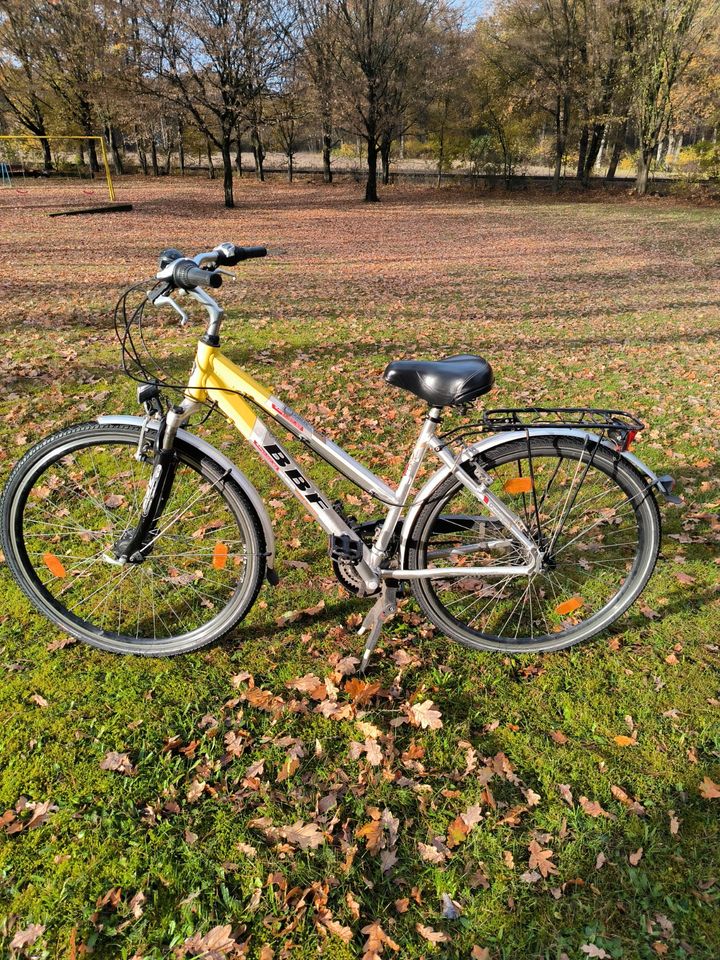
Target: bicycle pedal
[344,547]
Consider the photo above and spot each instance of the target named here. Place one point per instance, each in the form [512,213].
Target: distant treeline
[579,84]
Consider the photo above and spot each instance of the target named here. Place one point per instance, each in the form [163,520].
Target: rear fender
[665,484]
[212,453]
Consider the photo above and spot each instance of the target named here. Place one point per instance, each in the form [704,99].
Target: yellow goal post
[96,139]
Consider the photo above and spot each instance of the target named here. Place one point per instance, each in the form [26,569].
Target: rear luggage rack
[583,418]
[620,426]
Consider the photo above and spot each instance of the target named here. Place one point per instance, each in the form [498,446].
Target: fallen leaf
[635,857]
[307,836]
[426,715]
[27,937]
[432,936]
[592,950]
[622,741]
[118,763]
[709,789]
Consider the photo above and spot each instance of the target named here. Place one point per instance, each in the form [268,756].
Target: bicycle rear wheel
[585,506]
[76,493]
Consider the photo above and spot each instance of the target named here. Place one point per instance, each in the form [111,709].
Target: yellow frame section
[101,141]
[213,374]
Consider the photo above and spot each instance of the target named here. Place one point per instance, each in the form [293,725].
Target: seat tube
[424,440]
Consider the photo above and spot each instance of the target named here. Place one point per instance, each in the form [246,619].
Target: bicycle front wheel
[590,513]
[76,493]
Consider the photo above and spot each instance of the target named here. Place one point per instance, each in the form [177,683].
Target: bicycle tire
[71,443]
[634,489]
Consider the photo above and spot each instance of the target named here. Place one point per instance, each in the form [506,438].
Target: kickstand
[383,608]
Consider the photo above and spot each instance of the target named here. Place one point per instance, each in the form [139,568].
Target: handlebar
[187,274]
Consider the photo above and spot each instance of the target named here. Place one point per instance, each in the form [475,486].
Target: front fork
[137,542]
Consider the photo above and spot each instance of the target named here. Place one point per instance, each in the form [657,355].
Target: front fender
[664,484]
[236,473]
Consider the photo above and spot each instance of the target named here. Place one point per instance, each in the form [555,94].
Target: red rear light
[629,437]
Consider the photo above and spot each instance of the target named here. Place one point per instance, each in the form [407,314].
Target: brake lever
[164,300]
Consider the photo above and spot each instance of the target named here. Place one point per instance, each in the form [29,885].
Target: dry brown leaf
[709,789]
[635,857]
[426,715]
[592,808]
[118,763]
[541,859]
[307,836]
[432,936]
[27,937]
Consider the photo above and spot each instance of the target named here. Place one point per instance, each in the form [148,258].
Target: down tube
[282,464]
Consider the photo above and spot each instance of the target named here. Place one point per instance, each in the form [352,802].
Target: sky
[474,8]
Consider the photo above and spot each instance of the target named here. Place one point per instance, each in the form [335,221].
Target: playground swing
[17,153]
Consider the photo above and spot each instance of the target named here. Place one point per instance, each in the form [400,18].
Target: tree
[666,36]
[21,86]
[217,58]
[378,39]
[540,40]
[71,50]
[319,59]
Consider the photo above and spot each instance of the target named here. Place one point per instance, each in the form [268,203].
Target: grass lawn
[246,803]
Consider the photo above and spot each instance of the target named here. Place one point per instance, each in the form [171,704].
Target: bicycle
[538,530]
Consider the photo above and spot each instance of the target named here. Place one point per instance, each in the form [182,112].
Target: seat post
[434,415]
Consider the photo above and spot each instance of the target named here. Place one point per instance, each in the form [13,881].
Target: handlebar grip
[247,253]
[229,254]
[186,276]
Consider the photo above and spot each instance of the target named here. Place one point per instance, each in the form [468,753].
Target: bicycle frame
[216,378]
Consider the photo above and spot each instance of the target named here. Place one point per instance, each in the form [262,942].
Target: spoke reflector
[220,555]
[518,485]
[54,565]
[569,606]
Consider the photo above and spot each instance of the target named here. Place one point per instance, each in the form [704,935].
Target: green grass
[601,304]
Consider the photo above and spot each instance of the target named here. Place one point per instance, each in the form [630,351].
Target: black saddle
[442,383]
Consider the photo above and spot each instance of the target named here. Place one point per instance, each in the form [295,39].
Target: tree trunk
[142,156]
[111,137]
[643,170]
[441,155]
[47,156]
[582,153]
[211,165]
[618,147]
[258,153]
[238,155]
[326,148]
[385,145]
[596,141]
[154,156]
[92,151]
[181,147]
[371,194]
[559,144]
[290,168]
[168,157]
[227,173]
